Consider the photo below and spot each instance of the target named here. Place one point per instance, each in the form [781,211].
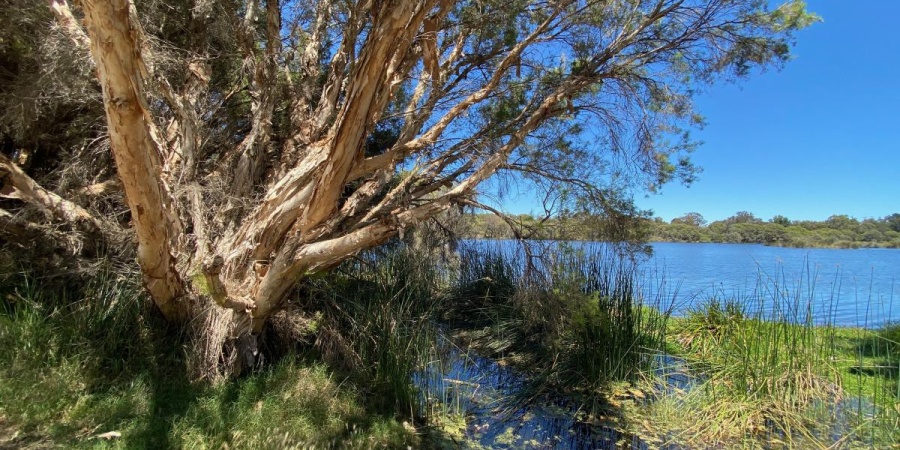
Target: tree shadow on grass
[172,395]
[152,359]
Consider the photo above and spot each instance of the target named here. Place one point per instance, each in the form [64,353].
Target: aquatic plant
[771,372]
[377,313]
[576,320]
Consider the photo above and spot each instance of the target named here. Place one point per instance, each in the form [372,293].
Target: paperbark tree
[257,142]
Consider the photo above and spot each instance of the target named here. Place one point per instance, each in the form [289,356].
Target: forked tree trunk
[299,227]
[252,268]
[224,233]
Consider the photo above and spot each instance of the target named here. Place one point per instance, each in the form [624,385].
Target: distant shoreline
[836,246]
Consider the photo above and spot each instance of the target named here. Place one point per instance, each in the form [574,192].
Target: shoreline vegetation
[759,372]
[838,231]
[82,357]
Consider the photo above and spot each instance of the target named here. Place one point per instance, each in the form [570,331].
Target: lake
[846,287]
[833,286]
[851,287]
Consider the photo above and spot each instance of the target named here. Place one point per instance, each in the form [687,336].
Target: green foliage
[763,365]
[711,320]
[781,220]
[81,357]
[837,231]
[629,230]
[578,325]
[894,221]
[487,281]
[890,334]
[377,316]
[743,227]
[693,219]
[88,359]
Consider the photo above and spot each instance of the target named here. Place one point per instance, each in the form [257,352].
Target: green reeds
[378,313]
[776,370]
[610,330]
[577,320]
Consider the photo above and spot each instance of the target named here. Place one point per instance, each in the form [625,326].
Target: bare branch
[17,230]
[29,190]
[70,25]
[262,70]
[100,189]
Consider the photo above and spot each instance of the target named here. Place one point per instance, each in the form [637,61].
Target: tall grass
[767,368]
[84,356]
[577,320]
[378,319]
[776,369]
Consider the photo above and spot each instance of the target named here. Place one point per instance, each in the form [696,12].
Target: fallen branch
[29,190]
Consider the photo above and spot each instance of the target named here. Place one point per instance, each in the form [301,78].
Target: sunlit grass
[81,360]
[766,373]
[767,370]
[78,364]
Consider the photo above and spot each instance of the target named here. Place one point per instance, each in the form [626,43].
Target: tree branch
[70,25]
[29,190]
[17,230]
[262,72]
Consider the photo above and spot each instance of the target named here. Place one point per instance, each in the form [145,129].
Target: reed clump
[770,369]
[576,320]
[376,319]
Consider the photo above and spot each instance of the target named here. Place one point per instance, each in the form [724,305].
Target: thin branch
[30,191]
[70,25]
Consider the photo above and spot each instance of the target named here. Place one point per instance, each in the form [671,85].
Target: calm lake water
[846,287]
[850,287]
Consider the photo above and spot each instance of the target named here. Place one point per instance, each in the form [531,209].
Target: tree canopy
[247,143]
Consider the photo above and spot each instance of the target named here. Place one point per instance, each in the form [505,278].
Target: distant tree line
[838,231]
[581,226]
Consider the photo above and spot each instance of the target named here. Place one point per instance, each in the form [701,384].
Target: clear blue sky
[820,137]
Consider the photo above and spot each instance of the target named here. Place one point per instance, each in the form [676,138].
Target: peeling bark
[116,42]
[69,24]
[289,190]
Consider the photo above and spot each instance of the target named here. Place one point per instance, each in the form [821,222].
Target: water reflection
[486,394]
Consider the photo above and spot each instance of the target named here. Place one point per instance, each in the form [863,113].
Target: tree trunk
[116,42]
[242,200]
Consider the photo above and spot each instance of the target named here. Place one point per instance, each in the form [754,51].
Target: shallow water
[841,287]
[484,392]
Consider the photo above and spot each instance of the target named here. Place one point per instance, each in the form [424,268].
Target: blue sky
[820,137]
